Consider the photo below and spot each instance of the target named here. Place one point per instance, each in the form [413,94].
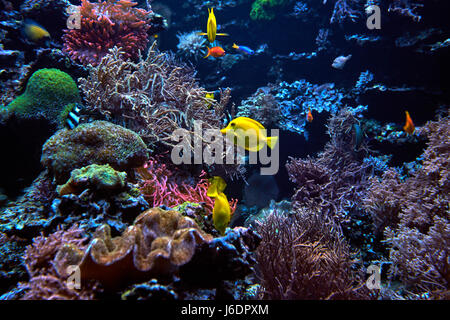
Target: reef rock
[98,142]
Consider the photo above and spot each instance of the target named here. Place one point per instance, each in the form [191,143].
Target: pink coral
[104,25]
[162,185]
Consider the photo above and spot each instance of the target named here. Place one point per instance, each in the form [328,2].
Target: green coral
[97,142]
[265,9]
[50,93]
[96,177]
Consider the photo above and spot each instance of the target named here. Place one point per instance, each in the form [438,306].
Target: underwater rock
[97,177]
[50,94]
[150,290]
[229,257]
[98,142]
[12,268]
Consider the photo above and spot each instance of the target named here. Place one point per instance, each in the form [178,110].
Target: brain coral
[98,142]
[50,94]
[156,245]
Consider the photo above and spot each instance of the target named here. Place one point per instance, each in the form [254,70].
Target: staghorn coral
[98,142]
[163,184]
[414,213]
[153,97]
[156,245]
[107,24]
[304,256]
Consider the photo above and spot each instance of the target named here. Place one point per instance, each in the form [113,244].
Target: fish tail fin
[271,142]
[209,52]
[235,46]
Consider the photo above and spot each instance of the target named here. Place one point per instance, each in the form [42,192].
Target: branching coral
[406,8]
[415,213]
[163,186]
[107,24]
[334,181]
[153,97]
[304,256]
[343,9]
[262,107]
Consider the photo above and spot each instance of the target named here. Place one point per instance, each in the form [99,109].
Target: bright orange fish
[309,117]
[215,52]
[409,125]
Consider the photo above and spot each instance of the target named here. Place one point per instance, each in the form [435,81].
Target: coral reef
[154,97]
[413,213]
[335,180]
[262,107]
[50,94]
[162,184]
[191,45]
[99,177]
[266,9]
[107,24]
[98,142]
[304,256]
[157,244]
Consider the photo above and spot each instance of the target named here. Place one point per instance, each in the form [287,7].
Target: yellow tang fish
[216,186]
[221,212]
[209,95]
[249,134]
[34,31]
[211,27]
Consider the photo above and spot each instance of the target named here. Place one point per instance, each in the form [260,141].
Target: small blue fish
[244,49]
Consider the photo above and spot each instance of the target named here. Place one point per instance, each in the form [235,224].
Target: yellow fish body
[216,186]
[34,31]
[209,95]
[211,27]
[249,134]
[221,212]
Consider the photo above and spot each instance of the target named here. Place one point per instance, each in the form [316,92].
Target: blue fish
[244,49]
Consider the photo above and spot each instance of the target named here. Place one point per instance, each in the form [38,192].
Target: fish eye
[232,124]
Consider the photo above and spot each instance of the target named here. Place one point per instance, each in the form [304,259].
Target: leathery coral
[104,25]
[414,214]
[156,245]
[153,97]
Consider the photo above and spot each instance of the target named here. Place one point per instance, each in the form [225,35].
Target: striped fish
[73,118]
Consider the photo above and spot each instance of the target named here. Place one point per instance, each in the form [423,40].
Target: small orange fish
[309,117]
[215,52]
[409,125]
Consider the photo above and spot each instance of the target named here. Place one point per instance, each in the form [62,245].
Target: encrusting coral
[98,142]
[414,214]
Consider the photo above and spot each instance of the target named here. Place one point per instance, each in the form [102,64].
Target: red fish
[215,52]
[309,117]
[409,125]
